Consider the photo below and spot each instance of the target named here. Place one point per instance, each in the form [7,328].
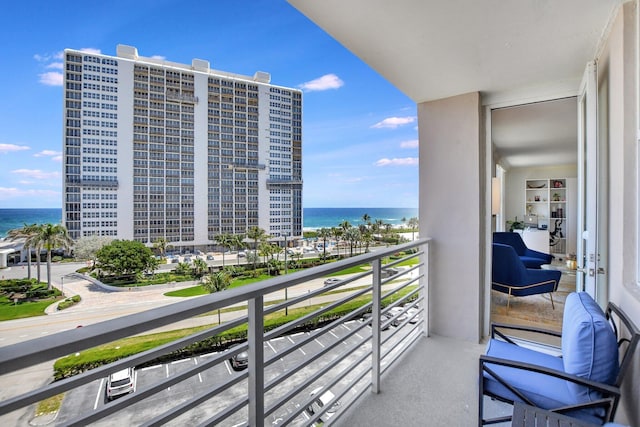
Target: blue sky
[359,132]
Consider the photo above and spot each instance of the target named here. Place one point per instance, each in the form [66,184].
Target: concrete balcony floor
[435,383]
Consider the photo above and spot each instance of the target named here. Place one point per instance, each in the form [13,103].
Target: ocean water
[314,218]
[17,218]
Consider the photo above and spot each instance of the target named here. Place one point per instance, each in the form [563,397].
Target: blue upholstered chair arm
[610,394]
[538,254]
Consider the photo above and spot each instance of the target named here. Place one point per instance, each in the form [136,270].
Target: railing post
[425,289]
[256,362]
[375,326]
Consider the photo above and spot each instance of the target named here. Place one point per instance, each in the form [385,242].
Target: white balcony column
[452,204]
[255,337]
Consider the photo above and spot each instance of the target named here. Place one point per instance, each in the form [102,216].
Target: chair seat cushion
[544,391]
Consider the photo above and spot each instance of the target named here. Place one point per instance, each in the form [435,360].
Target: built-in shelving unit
[547,202]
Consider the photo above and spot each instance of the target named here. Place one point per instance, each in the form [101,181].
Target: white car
[410,312]
[121,382]
[398,311]
[321,401]
[332,281]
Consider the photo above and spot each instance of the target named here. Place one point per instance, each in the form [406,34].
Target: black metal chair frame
[611,393]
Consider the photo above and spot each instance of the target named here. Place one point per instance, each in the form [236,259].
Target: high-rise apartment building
[155,149]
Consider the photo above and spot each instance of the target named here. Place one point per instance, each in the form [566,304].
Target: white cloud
[394,122]
[51,78]
[326,82]
[14,193]
[10,148]
[414,143]
[47,153]
[91,50]
[56,65]
[407,161]
[159,57]
[36,174]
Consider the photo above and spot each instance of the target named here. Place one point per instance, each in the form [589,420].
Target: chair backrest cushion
[512,239]
[507,268]
[589,347]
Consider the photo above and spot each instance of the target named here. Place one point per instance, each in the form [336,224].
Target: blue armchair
[530,258]
[510,276]
[597,349]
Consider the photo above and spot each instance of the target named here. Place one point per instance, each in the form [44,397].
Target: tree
[200,267]
[324,234]
[126,257]
[216,282]
[366,219]
[337,232]
[50,237]
[86,248]
[161,244]
[28,232]
[413,223]
[258,235]
[224,240]
[237,242]
[352,235]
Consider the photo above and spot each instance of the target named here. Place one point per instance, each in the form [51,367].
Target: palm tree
[258,235]
[161,244]
[237,242]
[353,236]
[413,223]
[324,233]
[223,240]
[337,232]
[216,282]
[27,232]
[50,237]
[366,219]
[200,267]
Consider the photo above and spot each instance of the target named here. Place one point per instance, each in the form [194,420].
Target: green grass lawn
[10,311]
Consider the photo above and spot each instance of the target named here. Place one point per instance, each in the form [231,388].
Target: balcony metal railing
[301,383]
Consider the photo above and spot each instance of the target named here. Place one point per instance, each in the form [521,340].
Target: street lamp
[62,285]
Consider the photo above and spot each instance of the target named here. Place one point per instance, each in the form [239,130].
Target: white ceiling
[510,51]
[537,134]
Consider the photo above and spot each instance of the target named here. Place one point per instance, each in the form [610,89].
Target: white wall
[514,184]
[452,205]
[617,74]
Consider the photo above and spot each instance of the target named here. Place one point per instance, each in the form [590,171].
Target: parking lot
[92,396]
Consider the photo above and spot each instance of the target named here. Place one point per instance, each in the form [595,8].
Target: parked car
[321,401]
[121,382]
[384,319]
[332,281]
[239,361]
[242,254]
[410,312]
[209,257]
[388,272]
[398,311]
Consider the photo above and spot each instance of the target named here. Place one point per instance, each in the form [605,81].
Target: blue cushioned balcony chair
[530,258]
[584,382]
[510,276]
